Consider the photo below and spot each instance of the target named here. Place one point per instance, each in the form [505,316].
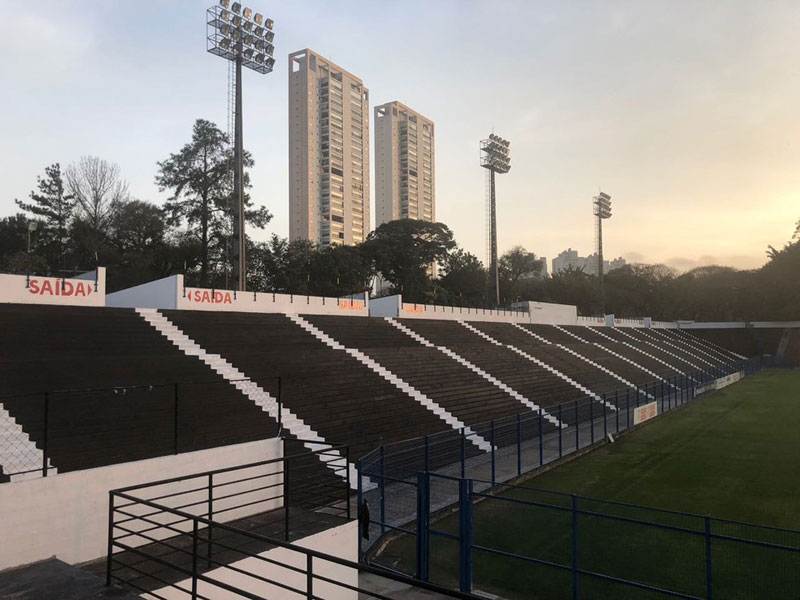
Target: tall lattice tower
[601,206]
[496,158]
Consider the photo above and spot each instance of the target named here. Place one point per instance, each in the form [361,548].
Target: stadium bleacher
[109,376]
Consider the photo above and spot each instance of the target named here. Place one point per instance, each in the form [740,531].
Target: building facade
[328,152]
[404,164]
[588,264]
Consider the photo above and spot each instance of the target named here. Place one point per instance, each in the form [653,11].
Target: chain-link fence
[65,430]
[498,451]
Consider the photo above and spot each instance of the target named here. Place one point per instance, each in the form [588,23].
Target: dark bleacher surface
[652,357]
[335,394]
[51,348]
[110,377]
[453,386]
[529,379]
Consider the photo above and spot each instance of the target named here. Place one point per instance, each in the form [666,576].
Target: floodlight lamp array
[602,206]
[234,33]
[496,154]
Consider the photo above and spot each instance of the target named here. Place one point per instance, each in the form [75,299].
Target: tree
[514,265]
[199,176]
[55,207]
[14,247]
[403,251]
[464,279]
[96,185]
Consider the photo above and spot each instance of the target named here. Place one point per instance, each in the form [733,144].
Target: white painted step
[18,453]
[423,400]
[493,380]
[263,399]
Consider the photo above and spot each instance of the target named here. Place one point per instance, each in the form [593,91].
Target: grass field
[732,455]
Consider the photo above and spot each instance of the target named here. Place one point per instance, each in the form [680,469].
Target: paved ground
[53,579]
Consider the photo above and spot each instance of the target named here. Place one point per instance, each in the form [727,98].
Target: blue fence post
[541,438]
[605,416]
[637,395]
[493,455]
[628,408]
[463,452]
[465,534]
[519,444]
[575,577]
[709,572]
[423,522]
[383,489]
[591,420]
[616,406]
[359,504]
[427,453]
[577,429]
[560,436]
[662,396]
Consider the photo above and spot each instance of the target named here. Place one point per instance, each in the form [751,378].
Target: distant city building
[328,152]
[404,165]
[588,264]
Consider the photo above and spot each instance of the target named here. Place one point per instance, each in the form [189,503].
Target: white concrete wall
[552,314]
[66,515]
[339,541]
[410,310]
[54,290]
[162,293]
[592,321]
[265,302]
[386,306]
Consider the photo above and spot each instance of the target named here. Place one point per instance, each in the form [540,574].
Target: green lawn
[732,455]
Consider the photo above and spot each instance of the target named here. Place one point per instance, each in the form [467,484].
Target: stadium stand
[528,378]
[654,361]
[452,385]
[331,391]
[111,397]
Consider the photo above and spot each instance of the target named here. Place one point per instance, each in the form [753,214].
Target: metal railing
[210,533]
[594,548]
[36,426]
[517,444]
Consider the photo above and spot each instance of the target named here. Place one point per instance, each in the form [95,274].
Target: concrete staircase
[291,422]
[20,458]
[414,393]
[476,369]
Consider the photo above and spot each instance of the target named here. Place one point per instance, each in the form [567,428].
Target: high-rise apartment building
[328,152]
[404,164]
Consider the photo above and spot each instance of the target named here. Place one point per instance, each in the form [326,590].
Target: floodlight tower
[602,210]
[496,158]
[245,39]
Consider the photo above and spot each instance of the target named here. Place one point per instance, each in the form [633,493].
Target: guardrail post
[423,508]
[541,438]
[360,506]
[383,489]
[285,498]
[110,549]
[465,534]
[575,575]
[309,577]
[628,408]
[463,452]
[519,444]
[175,418]
[46,433]
[347,487]
[210,516]
[709,572]
[280,405]
[493,454]
[577,429]
[560,436]
[194,558]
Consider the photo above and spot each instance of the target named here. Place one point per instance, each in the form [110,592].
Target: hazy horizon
[683,112]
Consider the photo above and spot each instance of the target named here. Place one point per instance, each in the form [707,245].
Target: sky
[685,112]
